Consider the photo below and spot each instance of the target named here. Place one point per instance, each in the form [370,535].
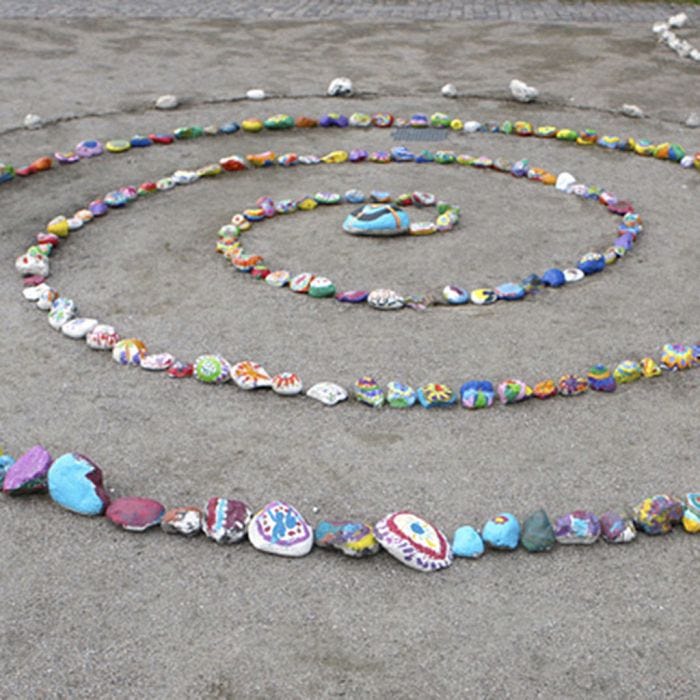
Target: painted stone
[327,393]
[279,528]
[554,277]
[436,395]
[78,328]
[600,378]
[510,291]
[400,395]
[59,314]
[287,384]
[32,264]
[355,197]
[691,514]
[657,515]
[134,513]
[627,371]
[321,287]
[572,385]
[513,391]
[538,533]
[355,539]
[414,541]
[617,528]
[483,297]
[352,296]
[577,527]
[129,352]
[675,356]
[157,362]
[180,370]
[591,263]
[250,375]
[545,389]
[211,369]
[377,220]
[367,391]
[75,482]
[225,520]
[502,532]
[455,295]
[467,543]
[573,274]
[385,300]
[28,474]
[477,394]
[102,337]
[278,278]
[650,368]
[422,228]
[182,520]
[34,292]
[301,283]
[6,461]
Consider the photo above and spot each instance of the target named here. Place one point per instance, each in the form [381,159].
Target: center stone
[377,220]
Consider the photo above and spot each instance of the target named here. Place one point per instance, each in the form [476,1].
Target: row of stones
[76,483]
[585,137]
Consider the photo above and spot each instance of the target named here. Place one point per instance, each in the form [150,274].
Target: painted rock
[352,296]
[377,220]
[578,527]
[157,362]
[600,379]
[302,282]
[649,367]
[102,337]
[287,384]
[513,391]
[676,356]
[627,371]
[617,528]
[573,274]
[32,264]
[28,473]
[414,541]
[75,482]
[355,539]
[467,543]
[78,328]
[455,295]
[482,297]
[225,520]
[250,375]
[279,528]
[554,277]
[327,393]
[211,369]
[60,314]
[34,292]
[572,385]
[477,394]
[278,278]
[46,299]
[545,390]
[591,263]
[129,352]
[502,532]
[400,395]
[134,513]
[321,287]
[538,533]
[510,291]
[367,391]
[657,515]
[385,300]
[691,514]
[180,370]
[436,395]
[182,520]
[422,228]
[355,197]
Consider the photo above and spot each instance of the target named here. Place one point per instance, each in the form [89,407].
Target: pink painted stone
[134,513]
[33,280]
[28,473]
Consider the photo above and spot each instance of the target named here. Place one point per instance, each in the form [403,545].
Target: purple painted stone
[617,528]
[98,207]
[28,473]
[134,513]
[352,297]
[357,155]
[578,527]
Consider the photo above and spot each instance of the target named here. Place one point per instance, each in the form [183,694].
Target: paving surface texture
[89,611]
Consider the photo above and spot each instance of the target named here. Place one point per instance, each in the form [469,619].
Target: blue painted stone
[401,154]
[436,396]
[5,463]
[591,263]
[377,220]
[352,297]
[380,196]
[510,291]
[520,168]
[425,156]
[399,395]
[75,482]
[477,394]
[467,542]
[554,277]
[355,197]
[626,241]
[141,142]
[502,531]
[229,128]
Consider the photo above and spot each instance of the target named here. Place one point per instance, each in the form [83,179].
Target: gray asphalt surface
[89,611]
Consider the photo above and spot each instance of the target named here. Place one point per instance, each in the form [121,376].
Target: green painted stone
[538,534]
[321,287]
[279,122]
[188,132]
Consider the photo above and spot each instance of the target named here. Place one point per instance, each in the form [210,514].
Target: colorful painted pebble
[650,368]
[157,362]
[129,351]
[627,371]
[250,375]
[75,483]
[226,520]
[676,356]
[327,393]
[287,384]
[545,389]
[400,395]
[577,527]
[352,296]
[467,543]
[302,282]
[355,539]
[513,391]
[436,395]
[572,385]
[28,474]
[182,520]
[321,287]
[617,528]
[477,394]
[600,378]
[279,528]
[134,513]
[657,515]
[367,391]
[502,532]
[385,300]
[211,369]
[691,514]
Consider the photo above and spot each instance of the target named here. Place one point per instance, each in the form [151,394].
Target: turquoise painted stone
[510,291]
[436,396]
[354,539]
[538,533]
[467,543]
[75,482]
[377,220]
[28,473]
[400,395]
[5,463]
[502,532]
[369,392]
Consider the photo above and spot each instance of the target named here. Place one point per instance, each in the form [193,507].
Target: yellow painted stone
[307,204]
[210,170]
[335,157]
[117,146]
[456,125]
[691,522]
[252,125]
[59,226]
